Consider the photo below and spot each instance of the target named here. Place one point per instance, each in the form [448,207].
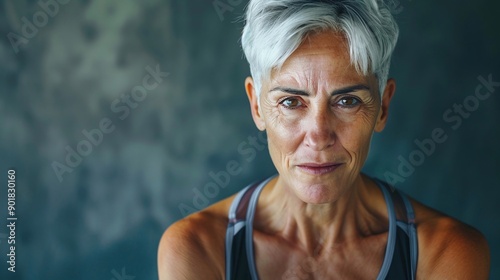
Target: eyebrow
[343,90]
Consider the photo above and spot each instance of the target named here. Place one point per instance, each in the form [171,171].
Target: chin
[317,193]
[320,189]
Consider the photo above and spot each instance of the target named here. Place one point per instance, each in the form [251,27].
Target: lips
[318,168]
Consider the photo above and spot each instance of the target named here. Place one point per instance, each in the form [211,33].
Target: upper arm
[183,254]
[452,250]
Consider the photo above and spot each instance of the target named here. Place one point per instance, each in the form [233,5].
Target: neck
[358,212]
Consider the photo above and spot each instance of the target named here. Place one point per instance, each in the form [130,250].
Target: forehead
[322,56]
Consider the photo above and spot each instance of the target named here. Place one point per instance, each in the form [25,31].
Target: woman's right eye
[291,103]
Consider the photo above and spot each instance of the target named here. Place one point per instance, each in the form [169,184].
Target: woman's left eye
[349,101]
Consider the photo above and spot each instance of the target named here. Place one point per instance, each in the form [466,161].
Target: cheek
[284,136]
[355,140]
[280,126]
[355,136]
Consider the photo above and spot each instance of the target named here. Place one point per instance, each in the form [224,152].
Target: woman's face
[319,114]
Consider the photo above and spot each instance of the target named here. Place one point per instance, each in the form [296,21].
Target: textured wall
[115,113]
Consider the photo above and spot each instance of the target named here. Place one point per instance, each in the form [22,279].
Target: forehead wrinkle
[314,76]
[320,64]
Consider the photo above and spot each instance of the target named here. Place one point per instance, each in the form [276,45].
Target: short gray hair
[274,29]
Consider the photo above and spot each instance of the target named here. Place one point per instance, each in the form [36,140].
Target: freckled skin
[327,224]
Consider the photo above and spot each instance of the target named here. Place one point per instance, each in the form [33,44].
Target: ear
[389,90]
[254,104]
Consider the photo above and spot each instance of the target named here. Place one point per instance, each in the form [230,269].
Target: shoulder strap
[239,206]
[249,228]
[412,233]
[406,220]
[241,215]
[237,221]
[391,238]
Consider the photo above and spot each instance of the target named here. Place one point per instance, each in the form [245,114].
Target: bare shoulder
[448,248]
[194,246]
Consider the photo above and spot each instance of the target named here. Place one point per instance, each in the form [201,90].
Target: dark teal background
[105,218]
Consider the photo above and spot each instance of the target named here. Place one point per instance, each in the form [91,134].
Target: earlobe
[254,104]
[390,89]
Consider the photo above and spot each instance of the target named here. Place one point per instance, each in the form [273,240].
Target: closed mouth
[318,168]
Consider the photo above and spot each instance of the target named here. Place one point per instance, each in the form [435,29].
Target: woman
[319,89]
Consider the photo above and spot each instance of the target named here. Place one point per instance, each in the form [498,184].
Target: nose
[320,129]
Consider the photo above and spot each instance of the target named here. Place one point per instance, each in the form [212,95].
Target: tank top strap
[239,206]
[241,215]
[411,232]
[249,228]
[405,216]
[391,238]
